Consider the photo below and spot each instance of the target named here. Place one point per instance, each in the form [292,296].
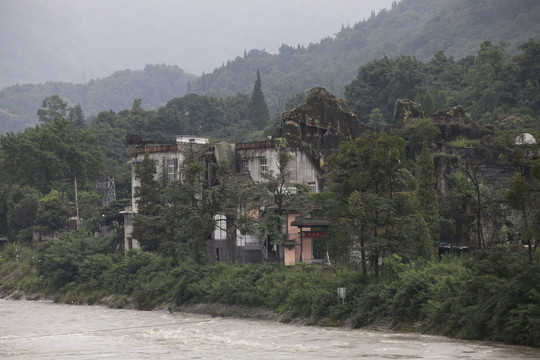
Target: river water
[44,330]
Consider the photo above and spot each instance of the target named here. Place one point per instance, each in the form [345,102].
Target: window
[243,166]
[171,168]
[263,169]
[312,186]
[220,231]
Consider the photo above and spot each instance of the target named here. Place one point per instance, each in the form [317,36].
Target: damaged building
[308,133]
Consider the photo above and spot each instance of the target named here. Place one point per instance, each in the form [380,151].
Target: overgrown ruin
[322,121]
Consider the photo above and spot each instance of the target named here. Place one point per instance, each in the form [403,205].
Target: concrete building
[308,133]
[253,162]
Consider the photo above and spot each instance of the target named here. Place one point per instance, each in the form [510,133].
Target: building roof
[311,221]
[285,208]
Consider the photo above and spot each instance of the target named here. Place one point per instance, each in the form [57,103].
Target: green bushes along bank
[490,295]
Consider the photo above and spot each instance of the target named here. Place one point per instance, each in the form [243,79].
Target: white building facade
[253,161]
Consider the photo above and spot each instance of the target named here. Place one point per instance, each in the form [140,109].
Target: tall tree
[371,174]
[47,153]
[52,212]
[427,193]
[258,113]
[188,214]
[53,106]
[523,196]
[76,116]
[148,224]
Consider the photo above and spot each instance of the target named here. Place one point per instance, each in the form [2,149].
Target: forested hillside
[412,27]
[416,28]
[497,89]
[155,85]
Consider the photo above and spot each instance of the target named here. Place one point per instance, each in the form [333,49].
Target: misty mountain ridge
[155,85]
[412,27]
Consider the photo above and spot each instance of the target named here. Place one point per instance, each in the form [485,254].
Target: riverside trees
[373,176]
[36,167]
[174,220]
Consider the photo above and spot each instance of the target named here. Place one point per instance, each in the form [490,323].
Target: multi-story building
[307,133]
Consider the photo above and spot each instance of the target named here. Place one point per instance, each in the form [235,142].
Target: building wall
[305,171]
[160,157]
[299,170]
[289,256]
[294,234]
[257,159]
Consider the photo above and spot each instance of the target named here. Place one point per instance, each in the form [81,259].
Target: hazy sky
[75,40]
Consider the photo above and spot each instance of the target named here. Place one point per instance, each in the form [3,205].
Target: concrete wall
[299,170]
[160,157]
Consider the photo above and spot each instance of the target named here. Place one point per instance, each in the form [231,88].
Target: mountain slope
[155,85]
[411,27]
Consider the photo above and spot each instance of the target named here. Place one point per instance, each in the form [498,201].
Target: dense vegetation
[156,84]
[497,89]
[388,218]
[416,28]
[493,295]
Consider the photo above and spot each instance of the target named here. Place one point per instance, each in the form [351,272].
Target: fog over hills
[78,40]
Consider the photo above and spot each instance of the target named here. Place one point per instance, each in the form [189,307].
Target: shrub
[60,260]
[152,291]
[122,276]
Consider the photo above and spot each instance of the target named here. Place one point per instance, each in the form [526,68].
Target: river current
[44,330]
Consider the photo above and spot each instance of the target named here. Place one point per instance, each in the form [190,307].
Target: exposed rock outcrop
[453,122]
[405,109]
[322,120]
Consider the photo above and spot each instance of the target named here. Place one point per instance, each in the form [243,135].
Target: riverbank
[492,295]
[47,330]
[209,309]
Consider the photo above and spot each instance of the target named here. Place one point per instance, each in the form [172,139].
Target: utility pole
[77,204]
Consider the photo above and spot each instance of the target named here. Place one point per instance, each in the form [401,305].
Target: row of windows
[171,167]
[263,169]
[172,170]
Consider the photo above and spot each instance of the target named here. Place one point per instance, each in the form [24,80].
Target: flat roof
[311,221]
